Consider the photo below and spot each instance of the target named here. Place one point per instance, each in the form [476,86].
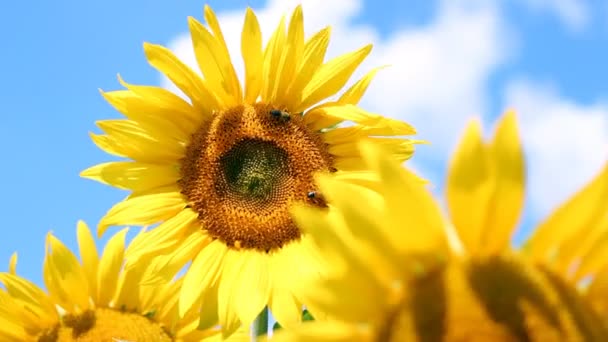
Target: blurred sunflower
[398,274]
[93,300]
[220,170]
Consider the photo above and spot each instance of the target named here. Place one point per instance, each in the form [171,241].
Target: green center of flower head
[254,169]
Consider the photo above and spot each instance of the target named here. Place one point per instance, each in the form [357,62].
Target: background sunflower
[397,279]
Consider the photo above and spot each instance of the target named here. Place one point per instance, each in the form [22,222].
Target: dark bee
[280,114]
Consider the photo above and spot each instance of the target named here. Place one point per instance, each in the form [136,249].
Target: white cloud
[575,14]
[566,143]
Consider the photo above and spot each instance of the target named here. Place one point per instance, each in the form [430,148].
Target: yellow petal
[331,77]
[68,280]
[203,100]
[214,62]
[109,145]
[251,50]
[208,312]
[596,293]
[128,288]
[136,143]
[202,274]
[356,132]
[253,280]
[162,238]
[508,197]
[470,185]
[143,210]
[229,74]
[290,59]
[350,164]
[149,101]
[109,267]
[40,310]
[409,205]
[592,261]
[12,264]
[154,115]
[136,176]
[228,289]
[88,254]
[578,214]
[325,331]
[164,268]
[377,257]
[272,62]
[329,115]
[355,92]
[312,58]
[586,250]
[398,149]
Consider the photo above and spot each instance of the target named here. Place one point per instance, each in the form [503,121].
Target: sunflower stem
[260,325]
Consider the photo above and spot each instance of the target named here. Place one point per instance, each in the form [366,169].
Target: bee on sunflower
[215,174]
[402,271]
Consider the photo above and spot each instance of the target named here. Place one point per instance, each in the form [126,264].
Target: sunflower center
[254,169]
[499,298]
[245,167]
[106,325]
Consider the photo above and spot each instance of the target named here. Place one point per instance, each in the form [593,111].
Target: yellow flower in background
[401,272]
[93,300]
[220,170]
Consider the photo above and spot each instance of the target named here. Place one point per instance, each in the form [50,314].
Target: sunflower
[93,300]
[398,274]
[215,174]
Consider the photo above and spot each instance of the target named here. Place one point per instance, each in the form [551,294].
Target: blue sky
[456,59]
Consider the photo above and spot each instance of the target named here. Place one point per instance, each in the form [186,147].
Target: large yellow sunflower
[398,275]
[94,300]
[220,170]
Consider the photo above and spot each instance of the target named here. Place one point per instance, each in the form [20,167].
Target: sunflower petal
[331,114]
[234,86]
[215,63]
[153,115]
[582,211]
[331,77]
[228,288]
[164,237]
[143,210]
[136,176]
[88,254]
[508,196]
[203,100]
[251,50]
[70,283]
[470,185]
[254,281]
[202,274]
[272,62]
[110,265]
[40,311]
[408,205]
[355,92]
[164,268]
[133,141]
[291,56]
[12,264]
[324,331]
[312,58]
